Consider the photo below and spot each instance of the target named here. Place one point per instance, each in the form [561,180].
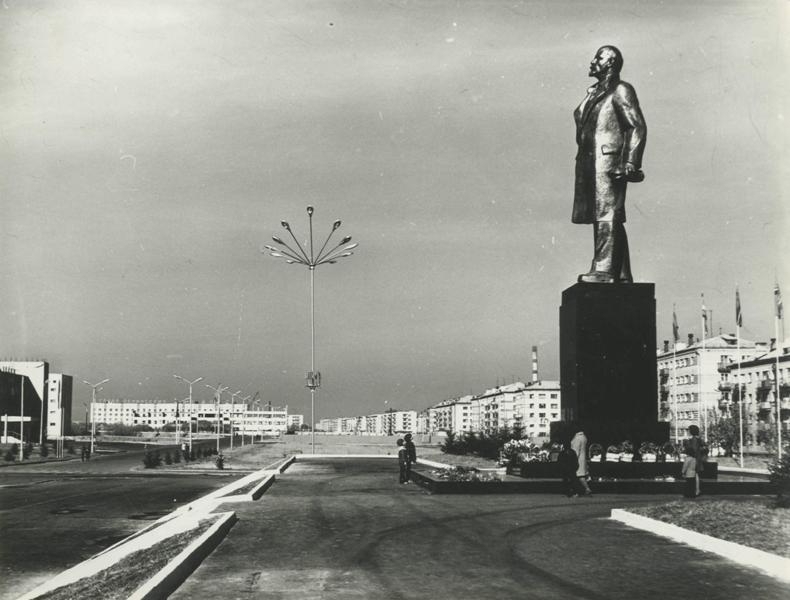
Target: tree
[725,434]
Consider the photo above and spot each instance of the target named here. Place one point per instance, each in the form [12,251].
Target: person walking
[403,462]
[579,446]
[568,463]
[411,454]
[694,463]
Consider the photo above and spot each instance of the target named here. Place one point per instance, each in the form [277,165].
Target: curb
[167,580]
[771,564]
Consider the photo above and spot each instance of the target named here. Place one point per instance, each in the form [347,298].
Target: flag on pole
[675,333]
[738,315]
[704,319]
[778,301]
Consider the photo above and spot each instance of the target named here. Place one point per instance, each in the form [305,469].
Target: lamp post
[217,394]
[190,384]
[93,386]
[302,255]
[246,401]
[232,402]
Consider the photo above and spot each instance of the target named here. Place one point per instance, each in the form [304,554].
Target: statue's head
[607,59]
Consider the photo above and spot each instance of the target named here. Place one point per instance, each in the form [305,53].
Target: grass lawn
[749,521]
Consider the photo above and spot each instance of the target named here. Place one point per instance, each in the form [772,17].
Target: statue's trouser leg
[611,251]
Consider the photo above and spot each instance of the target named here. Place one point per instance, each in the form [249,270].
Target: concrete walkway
[340,529]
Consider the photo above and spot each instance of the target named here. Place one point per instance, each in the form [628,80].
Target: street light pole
[217,394]
[93,404]
[306,256]
[232,400]
[190,384]
[246,401]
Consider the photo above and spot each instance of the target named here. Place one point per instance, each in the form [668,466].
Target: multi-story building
[531,405]
[693,375]
[157,414]
[758,389]
[59,397]
[23,397]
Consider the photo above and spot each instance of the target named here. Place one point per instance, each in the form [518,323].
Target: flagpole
[702,405]
[674,394]
[778,399]
[674,378]
[740,391]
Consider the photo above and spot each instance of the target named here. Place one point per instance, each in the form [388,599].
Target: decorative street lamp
[190,384]
[93,386]
[217,394]
[311,260]
[246,401]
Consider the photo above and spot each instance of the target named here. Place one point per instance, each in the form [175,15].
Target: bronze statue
[610,133]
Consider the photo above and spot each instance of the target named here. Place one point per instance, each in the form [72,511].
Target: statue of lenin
[610,134]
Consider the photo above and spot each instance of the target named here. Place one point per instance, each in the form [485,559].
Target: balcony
[765,406]
[725,386]
[766,384]
[724,366]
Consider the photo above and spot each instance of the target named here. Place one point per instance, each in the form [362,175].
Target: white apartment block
[157,414]
[691,376]
[758,387]
[534,405]
[59,395]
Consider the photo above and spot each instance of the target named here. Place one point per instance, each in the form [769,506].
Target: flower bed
[750,522]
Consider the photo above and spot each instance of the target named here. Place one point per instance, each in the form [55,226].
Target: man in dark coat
[610,133]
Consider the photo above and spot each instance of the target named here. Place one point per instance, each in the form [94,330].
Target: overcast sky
[148,151]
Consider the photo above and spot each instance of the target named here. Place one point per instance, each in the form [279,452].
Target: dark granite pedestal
[608,363]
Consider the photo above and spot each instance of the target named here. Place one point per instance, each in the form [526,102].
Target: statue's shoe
[596,277]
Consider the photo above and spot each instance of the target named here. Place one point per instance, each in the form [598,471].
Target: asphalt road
[53,516]
[344,529]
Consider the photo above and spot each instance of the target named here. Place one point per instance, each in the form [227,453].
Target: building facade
[762,383]
[692,377]
[157,414]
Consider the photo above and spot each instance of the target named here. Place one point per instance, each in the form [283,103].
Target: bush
[168,458]
[27,450]
[779,475]
[43,450]
[220,461]
[152,459]
[11,454]
[70,447]
[177,456]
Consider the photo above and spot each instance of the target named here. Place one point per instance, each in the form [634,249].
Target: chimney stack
[534,364]
[691,339]
[666,345]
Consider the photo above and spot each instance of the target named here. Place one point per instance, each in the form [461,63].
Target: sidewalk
[337,529]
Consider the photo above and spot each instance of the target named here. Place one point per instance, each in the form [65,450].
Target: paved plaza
[344,528]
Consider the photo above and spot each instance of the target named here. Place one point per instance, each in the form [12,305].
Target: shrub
[70,447]
[27,450]
[168,458]
[43,450]
[779,475]
[152,459]
[177,456]
[11,454]
[220,461]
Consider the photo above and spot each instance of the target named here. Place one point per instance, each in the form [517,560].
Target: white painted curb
[167,580]
[111,556]
[773,565]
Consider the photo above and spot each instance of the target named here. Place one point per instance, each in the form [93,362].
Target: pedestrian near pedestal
[403,462]
[579,446]
[411,454]
[568,463]
[694,463]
